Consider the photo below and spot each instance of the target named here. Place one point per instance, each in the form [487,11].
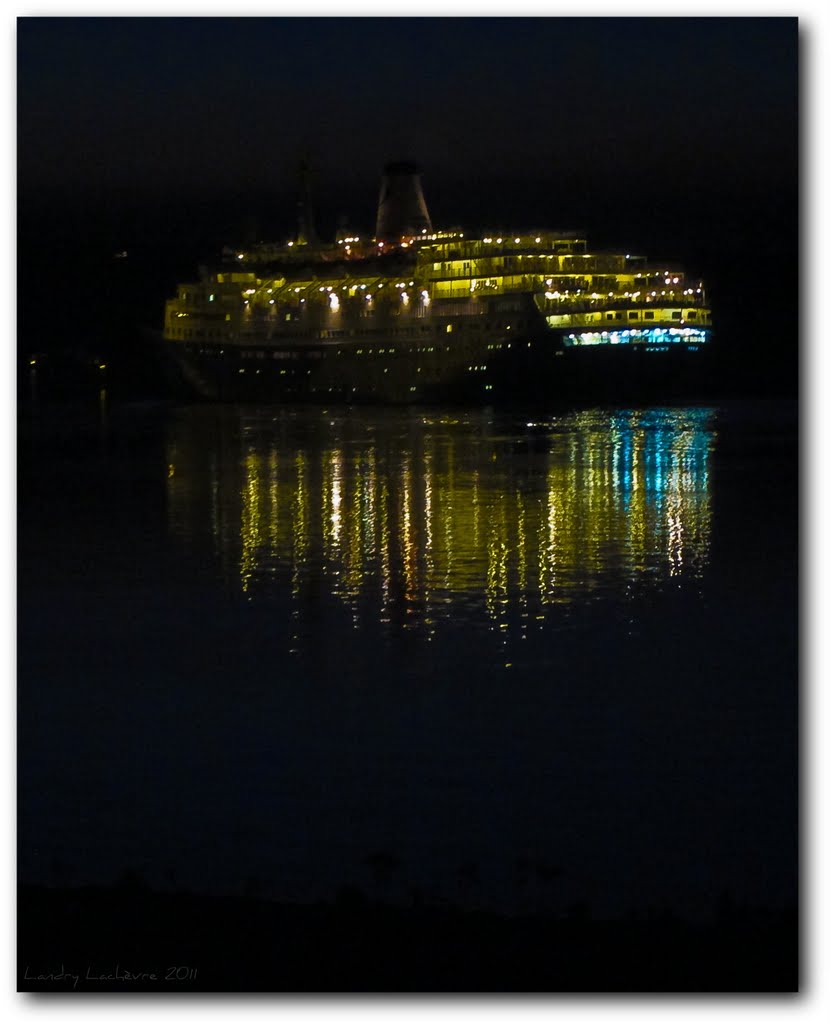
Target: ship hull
[537,368]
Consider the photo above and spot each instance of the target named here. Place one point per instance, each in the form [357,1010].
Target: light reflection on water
[415,518]
[563,642]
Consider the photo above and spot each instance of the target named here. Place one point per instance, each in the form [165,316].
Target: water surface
[446,655]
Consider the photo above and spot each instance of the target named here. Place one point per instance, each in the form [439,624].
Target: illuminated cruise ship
[414,314]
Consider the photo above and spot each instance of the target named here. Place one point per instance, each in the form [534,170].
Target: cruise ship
[419,315]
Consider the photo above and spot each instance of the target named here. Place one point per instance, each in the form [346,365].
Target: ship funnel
[402,209]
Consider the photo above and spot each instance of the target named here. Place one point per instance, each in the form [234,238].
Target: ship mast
[306,233]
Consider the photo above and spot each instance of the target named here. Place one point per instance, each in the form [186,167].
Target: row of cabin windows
[197,332]
[409,332]
[261,354]
[649,315]
[406,332]
[501,325]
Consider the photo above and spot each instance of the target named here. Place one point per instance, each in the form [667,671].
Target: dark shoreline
[131,939]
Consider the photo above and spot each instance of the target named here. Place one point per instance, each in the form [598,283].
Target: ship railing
[618,319]
[531,264]
[570,304]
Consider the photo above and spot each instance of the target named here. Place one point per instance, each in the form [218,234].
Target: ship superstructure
[414,314]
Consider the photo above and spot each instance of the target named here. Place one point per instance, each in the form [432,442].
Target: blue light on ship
[650,335]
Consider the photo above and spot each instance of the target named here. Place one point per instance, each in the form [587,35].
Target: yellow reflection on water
[250,520]
[274,497]
[300,512]
[407,535]
[332,522]
[385,549]
[514,520]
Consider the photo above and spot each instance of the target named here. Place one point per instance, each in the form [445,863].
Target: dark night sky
[676,137]
[214,104]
